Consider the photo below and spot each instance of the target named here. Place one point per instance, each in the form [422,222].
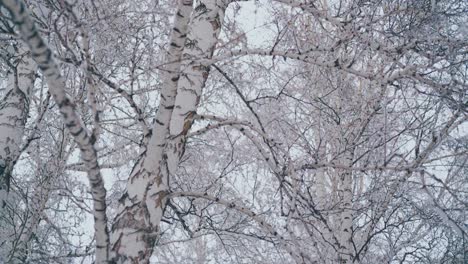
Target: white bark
[137,223]
[201,42]
[14,109]
[345,194]
[141,207]
[345,140]
[42,55]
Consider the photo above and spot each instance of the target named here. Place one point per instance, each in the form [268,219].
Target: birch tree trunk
[141,207]
[345,147]
[43,56]
[14,109]
[137,222]
[342,145]
[345,223]
[201,42]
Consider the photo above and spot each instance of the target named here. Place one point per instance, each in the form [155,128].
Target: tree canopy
[223,131]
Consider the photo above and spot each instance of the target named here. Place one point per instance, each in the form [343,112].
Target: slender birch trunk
[136,226]
[14,109]
[141,207]
[324,191]
[201,42]
[43,56]
[343,141]
[345,223]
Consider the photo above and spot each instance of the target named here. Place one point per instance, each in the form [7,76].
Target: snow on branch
[299,257]
[43,56]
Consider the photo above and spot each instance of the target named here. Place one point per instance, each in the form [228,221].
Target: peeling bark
[136,226]
[201,42]
[141,207]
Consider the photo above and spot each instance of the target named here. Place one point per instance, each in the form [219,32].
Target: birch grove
[224,131]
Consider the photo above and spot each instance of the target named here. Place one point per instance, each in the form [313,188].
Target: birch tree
[14,112]
[235,131]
